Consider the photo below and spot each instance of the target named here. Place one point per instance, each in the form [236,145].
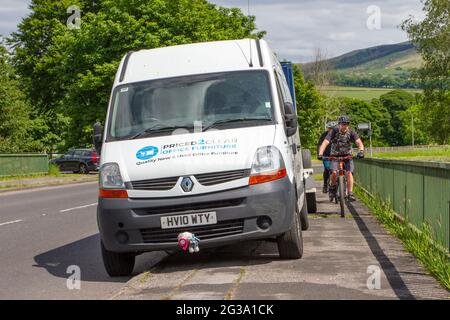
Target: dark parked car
[78,161]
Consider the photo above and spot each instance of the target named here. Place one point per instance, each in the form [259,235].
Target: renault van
[199,138]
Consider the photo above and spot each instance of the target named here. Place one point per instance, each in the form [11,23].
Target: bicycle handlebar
[338,157]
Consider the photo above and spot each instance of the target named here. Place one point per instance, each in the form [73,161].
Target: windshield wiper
[219,122]
[155,129]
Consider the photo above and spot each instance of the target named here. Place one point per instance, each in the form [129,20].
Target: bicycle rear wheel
[342,195]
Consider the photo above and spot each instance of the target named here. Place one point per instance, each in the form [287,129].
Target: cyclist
[341,140]
[326,163]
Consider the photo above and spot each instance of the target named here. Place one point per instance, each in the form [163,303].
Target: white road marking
[80,207]
[10,222]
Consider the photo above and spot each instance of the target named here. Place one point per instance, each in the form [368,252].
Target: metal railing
[418,191]
[23,164]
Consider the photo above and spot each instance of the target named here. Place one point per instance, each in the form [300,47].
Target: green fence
[419,191]
[21,164]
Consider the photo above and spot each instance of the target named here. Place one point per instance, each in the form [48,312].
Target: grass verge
[318,176]
[421,243]
[433,154]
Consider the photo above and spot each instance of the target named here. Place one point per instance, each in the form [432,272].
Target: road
[44,231]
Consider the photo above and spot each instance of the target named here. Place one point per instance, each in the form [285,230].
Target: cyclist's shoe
[351,197]
[325,188]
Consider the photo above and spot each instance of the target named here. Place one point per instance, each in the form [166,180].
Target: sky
[297,28]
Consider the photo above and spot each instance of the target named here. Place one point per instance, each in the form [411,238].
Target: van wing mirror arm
[98,137]
[290,118]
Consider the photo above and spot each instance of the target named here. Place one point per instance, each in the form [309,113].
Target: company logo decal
[188,149]
[147,153]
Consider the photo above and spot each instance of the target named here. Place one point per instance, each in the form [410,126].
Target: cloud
[11,12]
[341,36]
[295,28]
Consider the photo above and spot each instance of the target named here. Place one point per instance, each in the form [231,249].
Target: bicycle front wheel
[342,195]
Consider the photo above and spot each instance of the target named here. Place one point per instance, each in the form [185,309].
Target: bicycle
[340,195]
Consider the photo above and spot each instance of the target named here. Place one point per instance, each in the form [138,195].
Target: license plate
[189,220]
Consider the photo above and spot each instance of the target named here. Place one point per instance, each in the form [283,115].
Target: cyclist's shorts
[326,164]
[348,164]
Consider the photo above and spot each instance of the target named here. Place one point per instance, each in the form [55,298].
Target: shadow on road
[391,272]
[84,253]
[243,254]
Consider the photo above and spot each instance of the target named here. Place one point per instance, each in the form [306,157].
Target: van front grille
[221,229]
[190,207]
[206,179]
[210,179]
[155,184]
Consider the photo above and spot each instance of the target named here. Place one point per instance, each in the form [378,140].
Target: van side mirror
[290,118]
[97,137]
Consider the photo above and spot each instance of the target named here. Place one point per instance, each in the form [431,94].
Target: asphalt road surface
[44,232]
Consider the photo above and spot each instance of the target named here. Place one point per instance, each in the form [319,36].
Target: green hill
[379,55]
[393,63]
[386,66]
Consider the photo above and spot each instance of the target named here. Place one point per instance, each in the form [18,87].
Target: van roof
[197,58]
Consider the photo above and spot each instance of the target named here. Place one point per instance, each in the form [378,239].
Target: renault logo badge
[187,184]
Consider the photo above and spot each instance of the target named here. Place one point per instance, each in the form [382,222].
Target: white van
[200,138]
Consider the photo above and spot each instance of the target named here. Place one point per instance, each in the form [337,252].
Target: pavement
[342,259]
[45,232]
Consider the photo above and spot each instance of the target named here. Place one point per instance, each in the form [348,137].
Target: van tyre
[117,264]
[290,244]
[311,202]
[304,219]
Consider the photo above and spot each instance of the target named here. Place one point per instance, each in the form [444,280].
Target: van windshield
[220,100]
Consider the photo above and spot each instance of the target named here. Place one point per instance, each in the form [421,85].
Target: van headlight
[268,165]
[110,177]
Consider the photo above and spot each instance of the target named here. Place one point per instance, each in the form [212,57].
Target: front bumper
[138,220]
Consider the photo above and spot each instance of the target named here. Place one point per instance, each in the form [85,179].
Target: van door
[293,141]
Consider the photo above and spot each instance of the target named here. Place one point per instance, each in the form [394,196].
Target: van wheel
[311,202]
[117,264]
[306,157]
[304,219]
[290,244]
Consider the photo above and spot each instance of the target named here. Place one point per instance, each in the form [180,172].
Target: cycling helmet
[331,124]
[344,119]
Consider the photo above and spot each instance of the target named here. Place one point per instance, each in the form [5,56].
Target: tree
[15,120]
[361,111]
[320,69]
[432,40]
[395,102]
[414,124]
[310,110]
[71,71]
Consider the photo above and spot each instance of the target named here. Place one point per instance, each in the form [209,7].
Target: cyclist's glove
[360,155]
[320,157]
